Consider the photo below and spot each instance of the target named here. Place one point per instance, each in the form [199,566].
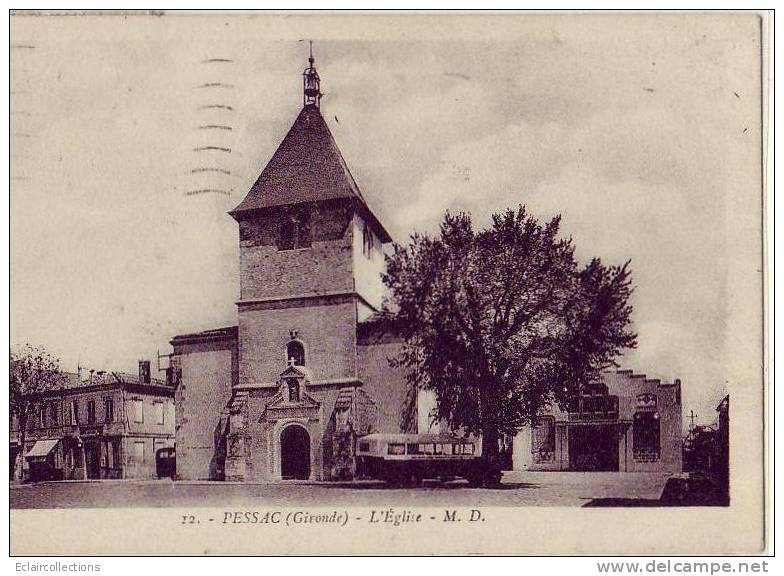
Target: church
[285,393]
[282,394]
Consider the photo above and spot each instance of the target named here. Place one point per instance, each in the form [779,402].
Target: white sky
[642,132]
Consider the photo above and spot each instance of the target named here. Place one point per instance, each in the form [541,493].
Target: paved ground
[517,489]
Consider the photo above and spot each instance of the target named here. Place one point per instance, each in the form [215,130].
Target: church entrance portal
[295,453]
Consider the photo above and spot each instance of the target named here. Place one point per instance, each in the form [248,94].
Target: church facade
[285,392]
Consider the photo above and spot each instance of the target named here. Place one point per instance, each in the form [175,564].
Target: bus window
[465,448]
[364,446]
[427,448]
[412,448]
[443,449]
[396,449]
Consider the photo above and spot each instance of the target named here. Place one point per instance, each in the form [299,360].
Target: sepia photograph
[451,281]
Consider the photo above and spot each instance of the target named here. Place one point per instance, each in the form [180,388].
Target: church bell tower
[310,256]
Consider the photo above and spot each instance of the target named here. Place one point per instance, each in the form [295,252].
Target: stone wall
[368,266]
[327,327]
[385,385]
[266,272]
[208,372]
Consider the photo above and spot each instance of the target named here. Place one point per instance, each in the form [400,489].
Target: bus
[407,459]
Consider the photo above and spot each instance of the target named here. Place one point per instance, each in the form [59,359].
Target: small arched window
[294,231]
[295,351]
[287,238]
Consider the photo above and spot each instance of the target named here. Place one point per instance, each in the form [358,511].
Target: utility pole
[692,416]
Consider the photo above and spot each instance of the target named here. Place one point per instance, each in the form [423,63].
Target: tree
[501,323]
[33,372]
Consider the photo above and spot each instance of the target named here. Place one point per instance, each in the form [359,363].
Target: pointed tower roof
[307,166]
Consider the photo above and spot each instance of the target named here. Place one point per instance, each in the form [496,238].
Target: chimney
[144,371]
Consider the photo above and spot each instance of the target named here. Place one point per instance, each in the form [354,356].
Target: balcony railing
[596,408]
[90,429]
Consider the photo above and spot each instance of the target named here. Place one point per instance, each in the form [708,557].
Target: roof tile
[306,167]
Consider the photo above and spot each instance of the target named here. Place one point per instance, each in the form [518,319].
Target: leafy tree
[501,323]
[33,371]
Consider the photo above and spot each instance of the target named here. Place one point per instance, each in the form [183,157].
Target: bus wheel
[392,481]
[411,480]
[492,478]
[475,481]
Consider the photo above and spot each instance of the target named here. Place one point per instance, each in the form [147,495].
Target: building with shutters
[98,425]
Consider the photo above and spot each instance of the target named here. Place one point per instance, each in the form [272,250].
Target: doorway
[593,449]
[92,455]
[295,453]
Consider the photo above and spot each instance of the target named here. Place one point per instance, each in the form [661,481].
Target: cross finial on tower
[311,83]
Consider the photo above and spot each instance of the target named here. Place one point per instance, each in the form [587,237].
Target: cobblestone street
[517,489]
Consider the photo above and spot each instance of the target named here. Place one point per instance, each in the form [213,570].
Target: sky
[642,132]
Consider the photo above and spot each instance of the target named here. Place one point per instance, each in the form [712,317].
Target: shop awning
[42,448]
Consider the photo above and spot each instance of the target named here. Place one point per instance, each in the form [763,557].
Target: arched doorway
[295,453]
